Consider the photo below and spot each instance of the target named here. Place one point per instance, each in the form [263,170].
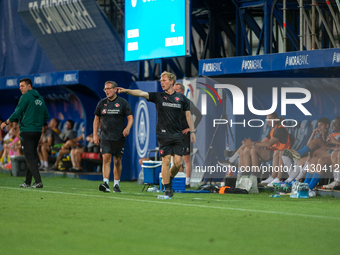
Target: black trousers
[29,145]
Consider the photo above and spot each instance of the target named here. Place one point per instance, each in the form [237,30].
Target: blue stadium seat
[76,125]
[302,135]
[314,124]
[265,131]
[61,126]
[292,130]
[79,132]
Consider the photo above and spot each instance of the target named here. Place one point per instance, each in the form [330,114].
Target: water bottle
[163,197]
[153,189]
[227,148]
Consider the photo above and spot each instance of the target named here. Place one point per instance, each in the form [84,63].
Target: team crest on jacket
[38,102]
[104,111]
[177,99]
[116,105]
[165,98]
[161,152]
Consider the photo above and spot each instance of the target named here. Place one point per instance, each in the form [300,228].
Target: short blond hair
[170,76]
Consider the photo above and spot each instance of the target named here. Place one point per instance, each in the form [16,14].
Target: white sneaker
[268,180]
[311,193]
[331,185]
[276,180]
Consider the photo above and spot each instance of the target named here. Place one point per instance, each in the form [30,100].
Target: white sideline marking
[170,202]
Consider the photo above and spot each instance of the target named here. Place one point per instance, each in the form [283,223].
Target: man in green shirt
[30,113]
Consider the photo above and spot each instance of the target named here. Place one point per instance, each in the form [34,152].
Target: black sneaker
[187,186]
[52,168]
[171,190]
[116,188]
[38,185]
[169,193]
[104,187]
[24,185]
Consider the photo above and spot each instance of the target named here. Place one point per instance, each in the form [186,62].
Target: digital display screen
[156,29]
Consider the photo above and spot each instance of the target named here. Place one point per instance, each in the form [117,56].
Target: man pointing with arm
[169,106]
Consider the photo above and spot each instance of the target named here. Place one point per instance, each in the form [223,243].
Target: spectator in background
[335,157]
[2,134]
[298,169]
[321,158]
[76,155]
[12,130]
[2,143]
[69,133]
[67,147]
[187,145]
[251,152]
[76,160]
[47,142]
[54,125]
[279,160]
[13,147]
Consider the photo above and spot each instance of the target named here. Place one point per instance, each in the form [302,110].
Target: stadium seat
[76,125]
[63,129]
[292,131]
[265,131]
[61,126]
[91,161]
[314,124]
[79,131]
[302,135]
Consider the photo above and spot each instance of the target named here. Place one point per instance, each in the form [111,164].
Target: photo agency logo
[248,108]
[238,102]
[204,97]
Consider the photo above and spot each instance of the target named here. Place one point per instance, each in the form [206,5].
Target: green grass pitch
[70,216]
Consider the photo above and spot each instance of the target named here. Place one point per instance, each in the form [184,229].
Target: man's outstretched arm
[134,92]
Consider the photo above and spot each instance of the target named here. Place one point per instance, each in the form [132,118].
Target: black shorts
[169,146]
[115,148]
[187,145]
